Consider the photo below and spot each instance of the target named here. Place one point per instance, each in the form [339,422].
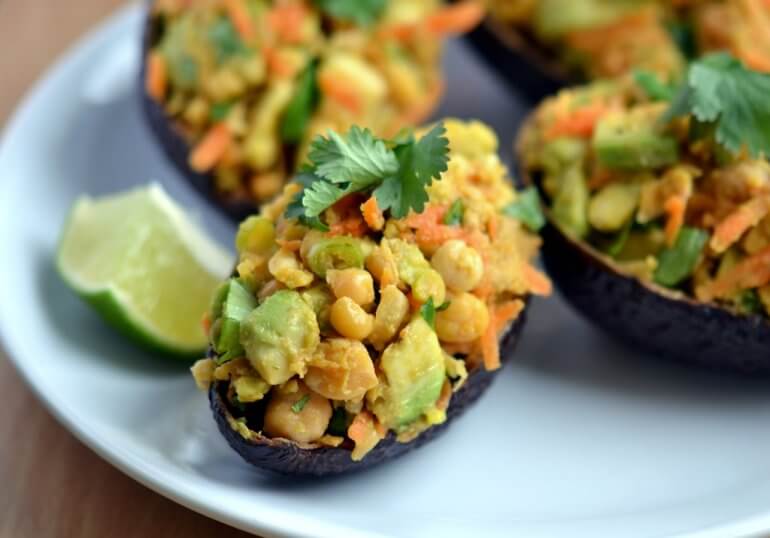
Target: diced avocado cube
[279,336]
[415,371]
[570,206]
[613,206]
[631,141]
[555,18]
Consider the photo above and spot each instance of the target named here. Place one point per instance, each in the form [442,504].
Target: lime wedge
[140,262]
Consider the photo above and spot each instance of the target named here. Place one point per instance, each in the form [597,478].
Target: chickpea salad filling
[670,182]
[609,38]
[373,287]
[249,83]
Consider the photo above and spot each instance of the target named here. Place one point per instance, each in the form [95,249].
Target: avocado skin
[531,70]
[286,457]
[675,327]
[174,145]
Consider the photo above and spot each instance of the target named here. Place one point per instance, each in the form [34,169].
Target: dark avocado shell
[172,141]
[530,68]
[647,316]
[287,457]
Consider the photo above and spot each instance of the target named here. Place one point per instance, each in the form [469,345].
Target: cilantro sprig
[397,173]
[362,12]
[719,91]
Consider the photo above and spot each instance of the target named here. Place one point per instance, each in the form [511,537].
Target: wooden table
[50,484]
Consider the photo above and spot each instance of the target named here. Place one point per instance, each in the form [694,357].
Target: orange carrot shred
[362,424]
[372,214]
[156,82]
[208,152]
[341,91]
[578,123]
[675,208]
[354,226]
[752,272]
[490,347]
[286,20]
[241,19]
[459,18]
[538,283]
[507,312]
[729,230]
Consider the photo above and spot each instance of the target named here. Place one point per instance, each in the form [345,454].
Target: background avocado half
[646,315]
[171,140]
[290,458]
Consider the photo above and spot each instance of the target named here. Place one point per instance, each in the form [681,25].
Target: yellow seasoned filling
[250,82]
[371,326]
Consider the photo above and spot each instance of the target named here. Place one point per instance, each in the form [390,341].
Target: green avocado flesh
[232,304]
[278,335]
[631,141]
[415,371]
[554,18]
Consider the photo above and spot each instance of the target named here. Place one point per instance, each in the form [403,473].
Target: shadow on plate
[561,345]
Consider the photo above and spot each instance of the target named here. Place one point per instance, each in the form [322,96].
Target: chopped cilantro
[225,39]
[300,404]
[749,302]
[419,164]
[301,106]
[526,208]
[362,12]
[219,111]
[360,162]
[656,89]
[454,217]
[428,311]
[721,91]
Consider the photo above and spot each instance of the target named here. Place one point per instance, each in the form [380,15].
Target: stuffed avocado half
[556,42]
[373,301]
[659,197]
[236,89]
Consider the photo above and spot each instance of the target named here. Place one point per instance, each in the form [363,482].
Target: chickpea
[429,284]
[459,265]
[465,320]
[391,314]
[304,426]
[197,112]
[341,369]
[288,270]
[382,265]
[354,283]
[350,320]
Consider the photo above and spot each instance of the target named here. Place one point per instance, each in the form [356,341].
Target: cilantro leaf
[322,195]
[656,89]
[300,404]
[721,91]
[301,106]
[357,158]
[420,163]
[454,216]
[295,210]
[526,209]
[219,111]
[225,39]
[362,12]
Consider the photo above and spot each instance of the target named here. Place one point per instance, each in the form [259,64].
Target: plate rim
[272,522]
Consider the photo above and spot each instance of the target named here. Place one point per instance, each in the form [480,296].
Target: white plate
[579,438]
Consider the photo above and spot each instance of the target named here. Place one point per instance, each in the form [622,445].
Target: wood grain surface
[50,484]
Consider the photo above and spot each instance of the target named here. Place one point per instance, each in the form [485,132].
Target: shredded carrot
[156,82]
[414,304]
[208,152]
[738,222]
[431,215]
[507,312]
[752,272]
[579,122]
[340,90]
[277,63]
[286,20]
[446,394]
[372,214]
[362,426]
[353,225]
[492,227]
[675,208]
[538,283]
[753,58]
[459,18]
[241,19]
[490,347]
[292,245]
